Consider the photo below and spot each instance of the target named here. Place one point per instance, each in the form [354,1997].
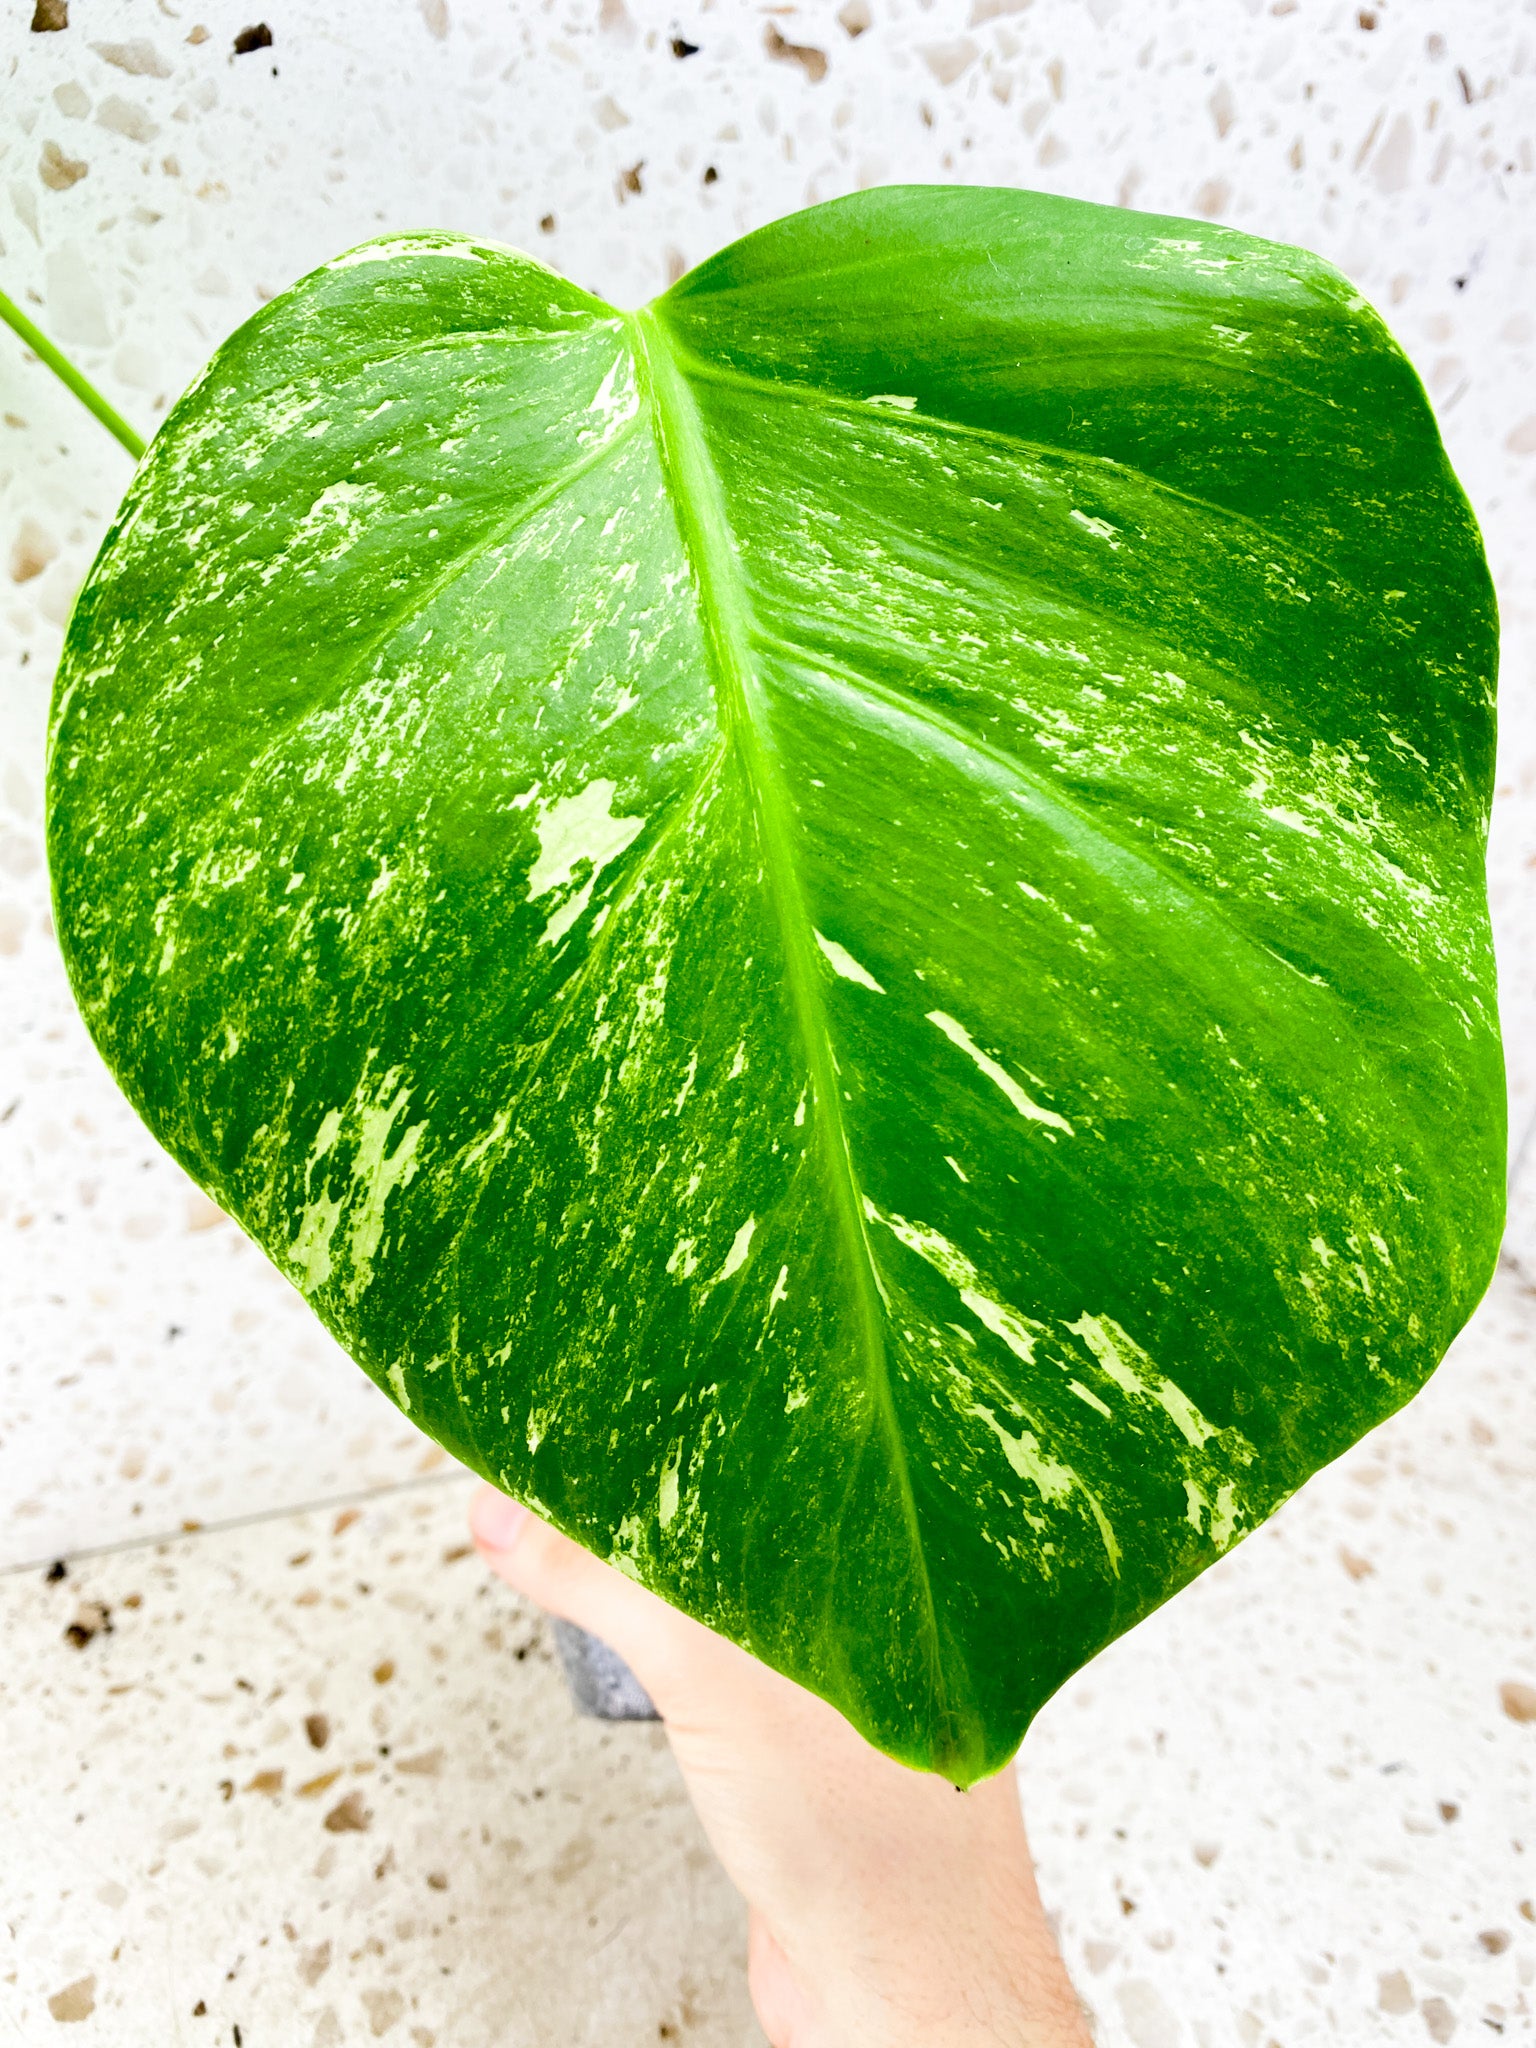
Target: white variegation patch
[845,966]
[1025,1104]
[575,831]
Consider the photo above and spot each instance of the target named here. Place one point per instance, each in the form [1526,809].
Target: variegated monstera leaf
[837,926]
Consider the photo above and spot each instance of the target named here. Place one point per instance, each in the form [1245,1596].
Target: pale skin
[885,1909]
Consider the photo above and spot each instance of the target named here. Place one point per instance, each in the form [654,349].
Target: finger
[783,2008]
[558,1575]
[545,1566]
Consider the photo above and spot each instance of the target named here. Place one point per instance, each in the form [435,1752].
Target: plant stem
[66,372]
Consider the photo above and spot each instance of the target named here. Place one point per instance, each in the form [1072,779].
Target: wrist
[1011,1993]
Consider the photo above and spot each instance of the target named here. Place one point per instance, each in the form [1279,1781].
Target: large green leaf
[838,926]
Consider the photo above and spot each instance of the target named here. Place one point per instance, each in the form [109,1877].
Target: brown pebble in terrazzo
[1527,1909]
[58,1569]
[49,14]
[384,1671]
[459,1550]
[313,1787]
[314,1962]
[573,1858]
[1394,1994]
[318,1728]
[383,2009]
[547,224]
[711,175]
[200,2010]
[198,35]
[950,60]
[1517,1700]
[31,552]
[1211,199]
[93,1619]
[1439,2018]
[140,58]
[681,47]
[349,1816]
[76,2001]
[438,1880]
[257,38]
[427,1765]
[1495,1940]
[1449,1810]
[1357,1567]
[58,172]
[812,60]
[1206,1853]
[629,179]
[345,1519]
[855,17]
[266,1781]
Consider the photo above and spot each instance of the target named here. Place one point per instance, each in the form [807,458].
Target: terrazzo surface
[319,1780]
[1295,1806]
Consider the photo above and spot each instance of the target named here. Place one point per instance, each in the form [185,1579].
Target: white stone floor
[318,1779]
[1297,1806]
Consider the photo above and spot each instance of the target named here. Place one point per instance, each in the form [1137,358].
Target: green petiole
[65,370]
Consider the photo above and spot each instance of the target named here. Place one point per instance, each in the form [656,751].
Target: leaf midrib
[730,629]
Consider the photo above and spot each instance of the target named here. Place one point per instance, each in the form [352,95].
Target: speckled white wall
[1277,1864]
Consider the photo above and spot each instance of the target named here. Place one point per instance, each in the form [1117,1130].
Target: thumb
[558,1575]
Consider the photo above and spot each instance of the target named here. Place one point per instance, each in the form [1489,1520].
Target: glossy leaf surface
[839,926]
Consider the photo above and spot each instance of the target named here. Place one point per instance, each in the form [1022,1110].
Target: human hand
[886,1909]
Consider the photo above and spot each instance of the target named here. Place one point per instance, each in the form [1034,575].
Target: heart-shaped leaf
[838,926]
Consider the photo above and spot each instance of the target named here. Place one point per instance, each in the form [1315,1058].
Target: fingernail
[496,1522]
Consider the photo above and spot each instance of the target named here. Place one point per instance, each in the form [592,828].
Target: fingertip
[497,1522]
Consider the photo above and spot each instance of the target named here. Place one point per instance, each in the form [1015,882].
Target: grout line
[184,1535]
